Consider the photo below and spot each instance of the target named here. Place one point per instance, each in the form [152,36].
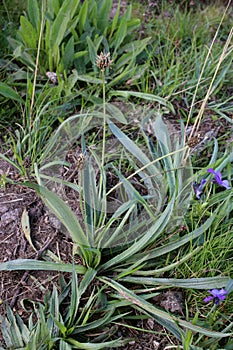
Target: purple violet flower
[218,178]
[217,295]
[198,188]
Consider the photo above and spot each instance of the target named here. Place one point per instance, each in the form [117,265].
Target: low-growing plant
[64,321]
[123,248]
[128,233]
[70,37]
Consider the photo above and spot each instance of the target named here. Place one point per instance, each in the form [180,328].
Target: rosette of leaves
[64,321]
[72,33]
[112,256]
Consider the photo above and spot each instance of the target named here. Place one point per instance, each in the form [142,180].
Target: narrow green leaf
[83,16]
[88,78]
[135,47]
[75,4]
[116,113]
[154,253]
[154,231]
[80,54]
[63,213]
[191,283]
[145,96]
[16,335]
[36,265]
[136,152]
[115,19]
[119,36]
[133,24]
[95,346]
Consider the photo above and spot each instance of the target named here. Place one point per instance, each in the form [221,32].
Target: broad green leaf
[104,15]
[60,26]
[28,33]
[68,55]
[36,265]
[8,92]
[92,52]
[34,14]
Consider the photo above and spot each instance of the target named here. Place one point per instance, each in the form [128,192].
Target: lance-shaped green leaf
[37,265]
[192,283]
[8,92]
[63,213]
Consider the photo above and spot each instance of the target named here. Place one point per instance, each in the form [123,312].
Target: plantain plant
[71,34]
[121,248]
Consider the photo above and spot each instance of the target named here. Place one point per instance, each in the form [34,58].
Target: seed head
[103,61]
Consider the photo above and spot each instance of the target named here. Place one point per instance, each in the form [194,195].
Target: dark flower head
[198,188]
[103,61]
[218,178]
[217,295]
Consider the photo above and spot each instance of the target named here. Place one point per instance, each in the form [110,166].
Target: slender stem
[104,120]
[101,184]
[37,56]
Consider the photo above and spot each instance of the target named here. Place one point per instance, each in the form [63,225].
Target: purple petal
[225,184]
[210,170]
[218,178]
[222,294]
[203,181]
[214,292]
[198,188]
[207,299]
[217,295]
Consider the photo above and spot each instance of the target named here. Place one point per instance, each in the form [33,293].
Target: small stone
[156,344]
